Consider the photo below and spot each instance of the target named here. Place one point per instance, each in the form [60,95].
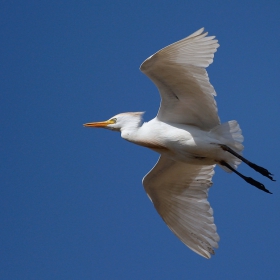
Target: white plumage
[189,138]
[179,193]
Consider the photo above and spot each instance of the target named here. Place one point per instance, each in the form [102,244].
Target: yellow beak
[98,124]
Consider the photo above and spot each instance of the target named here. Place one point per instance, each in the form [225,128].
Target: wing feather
[179,193]
[178,71]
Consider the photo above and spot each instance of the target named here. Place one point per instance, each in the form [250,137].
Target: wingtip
[201,29]
[198,32]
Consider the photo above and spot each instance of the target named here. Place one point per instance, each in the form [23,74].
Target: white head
[121,121]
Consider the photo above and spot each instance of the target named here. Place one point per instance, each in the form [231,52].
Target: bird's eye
[114,120]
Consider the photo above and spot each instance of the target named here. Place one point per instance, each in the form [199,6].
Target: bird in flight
[190,139]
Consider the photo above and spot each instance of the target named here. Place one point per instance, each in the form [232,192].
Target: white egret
[190,139]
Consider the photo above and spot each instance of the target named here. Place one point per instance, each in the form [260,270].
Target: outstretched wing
[179,193]
[178,71]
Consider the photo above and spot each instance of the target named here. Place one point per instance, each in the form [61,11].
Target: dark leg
[259,169]
[247,179]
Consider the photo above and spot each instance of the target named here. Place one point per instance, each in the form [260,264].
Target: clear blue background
[71,199]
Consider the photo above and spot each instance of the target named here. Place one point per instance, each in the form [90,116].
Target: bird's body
[185,143]
[190,139]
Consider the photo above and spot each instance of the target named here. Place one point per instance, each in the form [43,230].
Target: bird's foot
[262,170]
[256,184]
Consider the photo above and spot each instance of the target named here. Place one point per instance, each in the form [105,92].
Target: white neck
[129,132]
[127,123]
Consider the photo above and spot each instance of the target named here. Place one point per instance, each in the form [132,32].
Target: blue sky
[71,199]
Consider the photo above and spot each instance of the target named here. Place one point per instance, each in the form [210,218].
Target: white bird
[190,139]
